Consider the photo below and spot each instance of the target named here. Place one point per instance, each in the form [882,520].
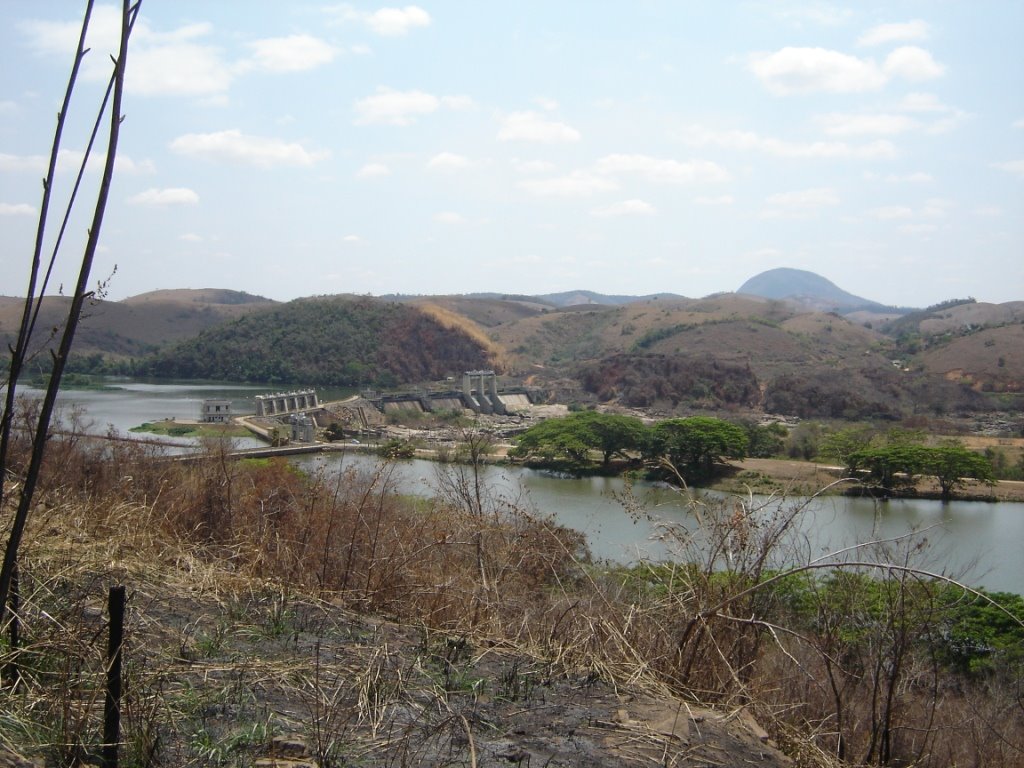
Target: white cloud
[548,105]
[944,117]
[532,166]
[936,208]
[160,198]
[800,203]
[70,160]
[807,70]
[922,102]
[625,208]
[17,209]
[8,107]
[750,141]
[805,197]
[988,211]
[448,161]
[34,163]
[396,22]
[459,102]
[395,107]
[576,184]
[352,239]
[190,237]
[1018,123]
[181,69]
[794,70]
[294,53]
[839,124]
[892,212]
[663,170]
[891,33]
[913,64]
[530,126]
[918,177]
[237,147]
[720,200]
[448,217]
[373,171]
[919,229]
[1016,167]
[173,62]
[933,208]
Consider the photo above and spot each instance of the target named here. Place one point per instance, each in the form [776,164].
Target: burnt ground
[225,669]
[335,689]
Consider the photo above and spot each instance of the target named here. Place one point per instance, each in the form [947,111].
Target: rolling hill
[135,326]
[326,341]
[670,354]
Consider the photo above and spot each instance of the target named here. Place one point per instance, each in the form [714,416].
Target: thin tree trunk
[128,15]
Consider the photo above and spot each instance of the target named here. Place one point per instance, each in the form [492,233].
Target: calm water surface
[981,540]
[987,538]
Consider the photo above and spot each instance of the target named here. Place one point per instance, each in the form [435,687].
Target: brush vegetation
[249,580]
[337,341]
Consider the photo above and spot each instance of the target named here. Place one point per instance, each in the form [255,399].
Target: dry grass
[251,588]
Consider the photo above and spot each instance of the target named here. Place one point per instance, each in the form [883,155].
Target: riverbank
[804,478]
[191,428]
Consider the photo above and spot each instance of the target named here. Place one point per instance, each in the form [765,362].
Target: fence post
[112,707]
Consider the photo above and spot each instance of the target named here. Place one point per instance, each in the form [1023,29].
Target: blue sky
[301,148]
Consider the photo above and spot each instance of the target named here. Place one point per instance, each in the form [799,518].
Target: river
[985,538]
[980,540]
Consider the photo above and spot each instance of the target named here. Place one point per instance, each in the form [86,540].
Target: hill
[135,326]
[665,353]
[809,290]
[326,341]
[198,296]
[976,343]
[725,351]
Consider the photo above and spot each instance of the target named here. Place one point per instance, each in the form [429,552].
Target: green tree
[765,441]
[694,446]
[612,434]
[889,466]
[952,463]
[576,435]
[839,445]
[892,466]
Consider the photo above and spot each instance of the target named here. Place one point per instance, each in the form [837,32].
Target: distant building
[303,428]
[216,411]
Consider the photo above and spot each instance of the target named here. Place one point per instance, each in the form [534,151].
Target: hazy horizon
[290,150]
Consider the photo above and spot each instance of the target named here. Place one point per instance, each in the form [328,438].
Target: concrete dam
[479,394]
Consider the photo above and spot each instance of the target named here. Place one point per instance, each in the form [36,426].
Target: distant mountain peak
[804,287]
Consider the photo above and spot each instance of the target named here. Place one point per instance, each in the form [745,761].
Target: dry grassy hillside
[972,316]
[766,334]
[136,325]
[991,359]
[486,312]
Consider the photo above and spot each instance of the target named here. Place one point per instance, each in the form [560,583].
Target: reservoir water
[985,539]
[980,541]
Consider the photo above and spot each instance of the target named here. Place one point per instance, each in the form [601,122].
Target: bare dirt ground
[227,670]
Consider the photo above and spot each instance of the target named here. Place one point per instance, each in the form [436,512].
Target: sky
[529,147]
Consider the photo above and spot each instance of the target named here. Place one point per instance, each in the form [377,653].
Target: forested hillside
[328,341]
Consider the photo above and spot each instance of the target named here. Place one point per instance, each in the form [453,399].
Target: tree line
[698,448]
